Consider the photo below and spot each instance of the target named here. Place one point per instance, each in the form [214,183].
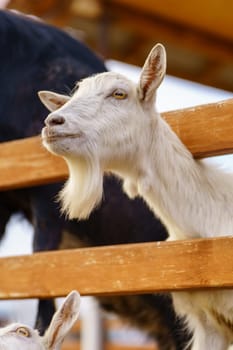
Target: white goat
[21,337]
[110,124]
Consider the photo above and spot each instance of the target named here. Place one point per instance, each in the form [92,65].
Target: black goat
[35,56]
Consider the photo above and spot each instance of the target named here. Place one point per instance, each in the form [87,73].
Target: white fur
[129,138]
[21,337]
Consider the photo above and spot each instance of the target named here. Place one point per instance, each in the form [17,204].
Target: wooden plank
[26,163]
[124,269]
[207,130]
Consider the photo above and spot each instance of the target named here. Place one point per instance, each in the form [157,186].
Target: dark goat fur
[36,56]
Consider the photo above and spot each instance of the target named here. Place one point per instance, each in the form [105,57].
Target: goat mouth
[49,136]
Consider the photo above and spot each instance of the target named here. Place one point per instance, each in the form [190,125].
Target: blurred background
[198,36]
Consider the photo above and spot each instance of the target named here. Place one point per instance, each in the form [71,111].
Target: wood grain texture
[26,163]
[123,269]
[206,130]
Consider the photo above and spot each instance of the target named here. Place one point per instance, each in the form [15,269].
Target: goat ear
[62,322]
[153,72]
[51,100]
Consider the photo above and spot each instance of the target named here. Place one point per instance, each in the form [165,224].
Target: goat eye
[23,331]
[119,94]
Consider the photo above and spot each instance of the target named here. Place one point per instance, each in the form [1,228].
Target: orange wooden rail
[127,269]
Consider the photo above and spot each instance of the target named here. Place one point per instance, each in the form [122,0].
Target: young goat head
[100,128]
[21,337]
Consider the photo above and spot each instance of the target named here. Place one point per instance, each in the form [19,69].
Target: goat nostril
[56,120]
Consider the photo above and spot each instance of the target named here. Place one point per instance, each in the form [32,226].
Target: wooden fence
[136,268]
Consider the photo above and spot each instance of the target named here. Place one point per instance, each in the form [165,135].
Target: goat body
[37,56]
[21,337]
[110,125]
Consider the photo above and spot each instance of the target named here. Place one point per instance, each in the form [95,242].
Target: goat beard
[84,189]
